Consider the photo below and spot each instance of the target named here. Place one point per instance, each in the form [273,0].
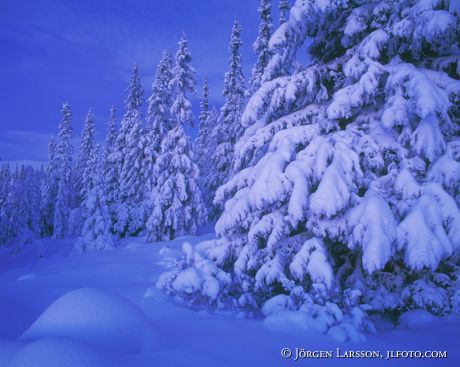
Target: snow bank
[294,320]
[94,316]
[8,349]
[289,321]
[59,352]
[284,314]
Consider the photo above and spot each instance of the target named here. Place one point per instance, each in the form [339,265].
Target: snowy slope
[178,336]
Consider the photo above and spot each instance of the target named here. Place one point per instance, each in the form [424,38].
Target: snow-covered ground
[104,318]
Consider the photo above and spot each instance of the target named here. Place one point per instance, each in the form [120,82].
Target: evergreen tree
[17,203]
[158,122]
[87,143]
[203,132]
[284,8]
[95,234]
[161,100]
[177,203]
[112,164]
[87,153]
[32,188]
[234,89]
[204,103]
[5,178]
[208,140]
[347,194]
[49,191]
[110,138]
[205,147]
[19,213]
[177,206]
[183,82]
[130,216]
[5,187]
[229,128]
[63,157]
[261,45]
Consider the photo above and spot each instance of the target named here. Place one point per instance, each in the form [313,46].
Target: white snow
[8,349]
[423,235]
[373,226]
[312,260]
[60,352]
[296,320]
[94,316]
[188,281]
[416,317]
[182,336]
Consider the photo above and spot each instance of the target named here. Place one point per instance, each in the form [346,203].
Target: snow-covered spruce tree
[284,7]
[5,181]
[208,141]
[228,129]
[205,146]
[261,45]
[182,82]
[177,208]
[110,138]
[32,182]
[49,191]
[158,122]
[203,131]
[89,169]
[234,93]
[5,187]
[20,222]
[161,100]
[347,192]
[95,233]
[63,157]
[177,205]
[204,103]
[111,166]
[9,209]
[87,145]
[130,214]
[5,184]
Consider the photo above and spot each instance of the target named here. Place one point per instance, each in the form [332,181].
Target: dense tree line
[147,178]
[334,181]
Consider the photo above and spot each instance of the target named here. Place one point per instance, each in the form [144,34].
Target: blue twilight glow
[83,51]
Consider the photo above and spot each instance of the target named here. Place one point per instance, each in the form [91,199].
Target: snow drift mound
[59,352]
[96,317]
[8,349]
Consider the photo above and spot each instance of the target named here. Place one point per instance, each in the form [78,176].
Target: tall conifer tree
[63,156]
[261,45]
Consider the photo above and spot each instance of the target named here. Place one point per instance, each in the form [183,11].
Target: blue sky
[83,52]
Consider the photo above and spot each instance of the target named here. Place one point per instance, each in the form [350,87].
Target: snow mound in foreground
[8,349]
[96,317]
[59,352]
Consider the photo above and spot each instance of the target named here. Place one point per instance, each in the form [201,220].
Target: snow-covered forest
[332,183]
